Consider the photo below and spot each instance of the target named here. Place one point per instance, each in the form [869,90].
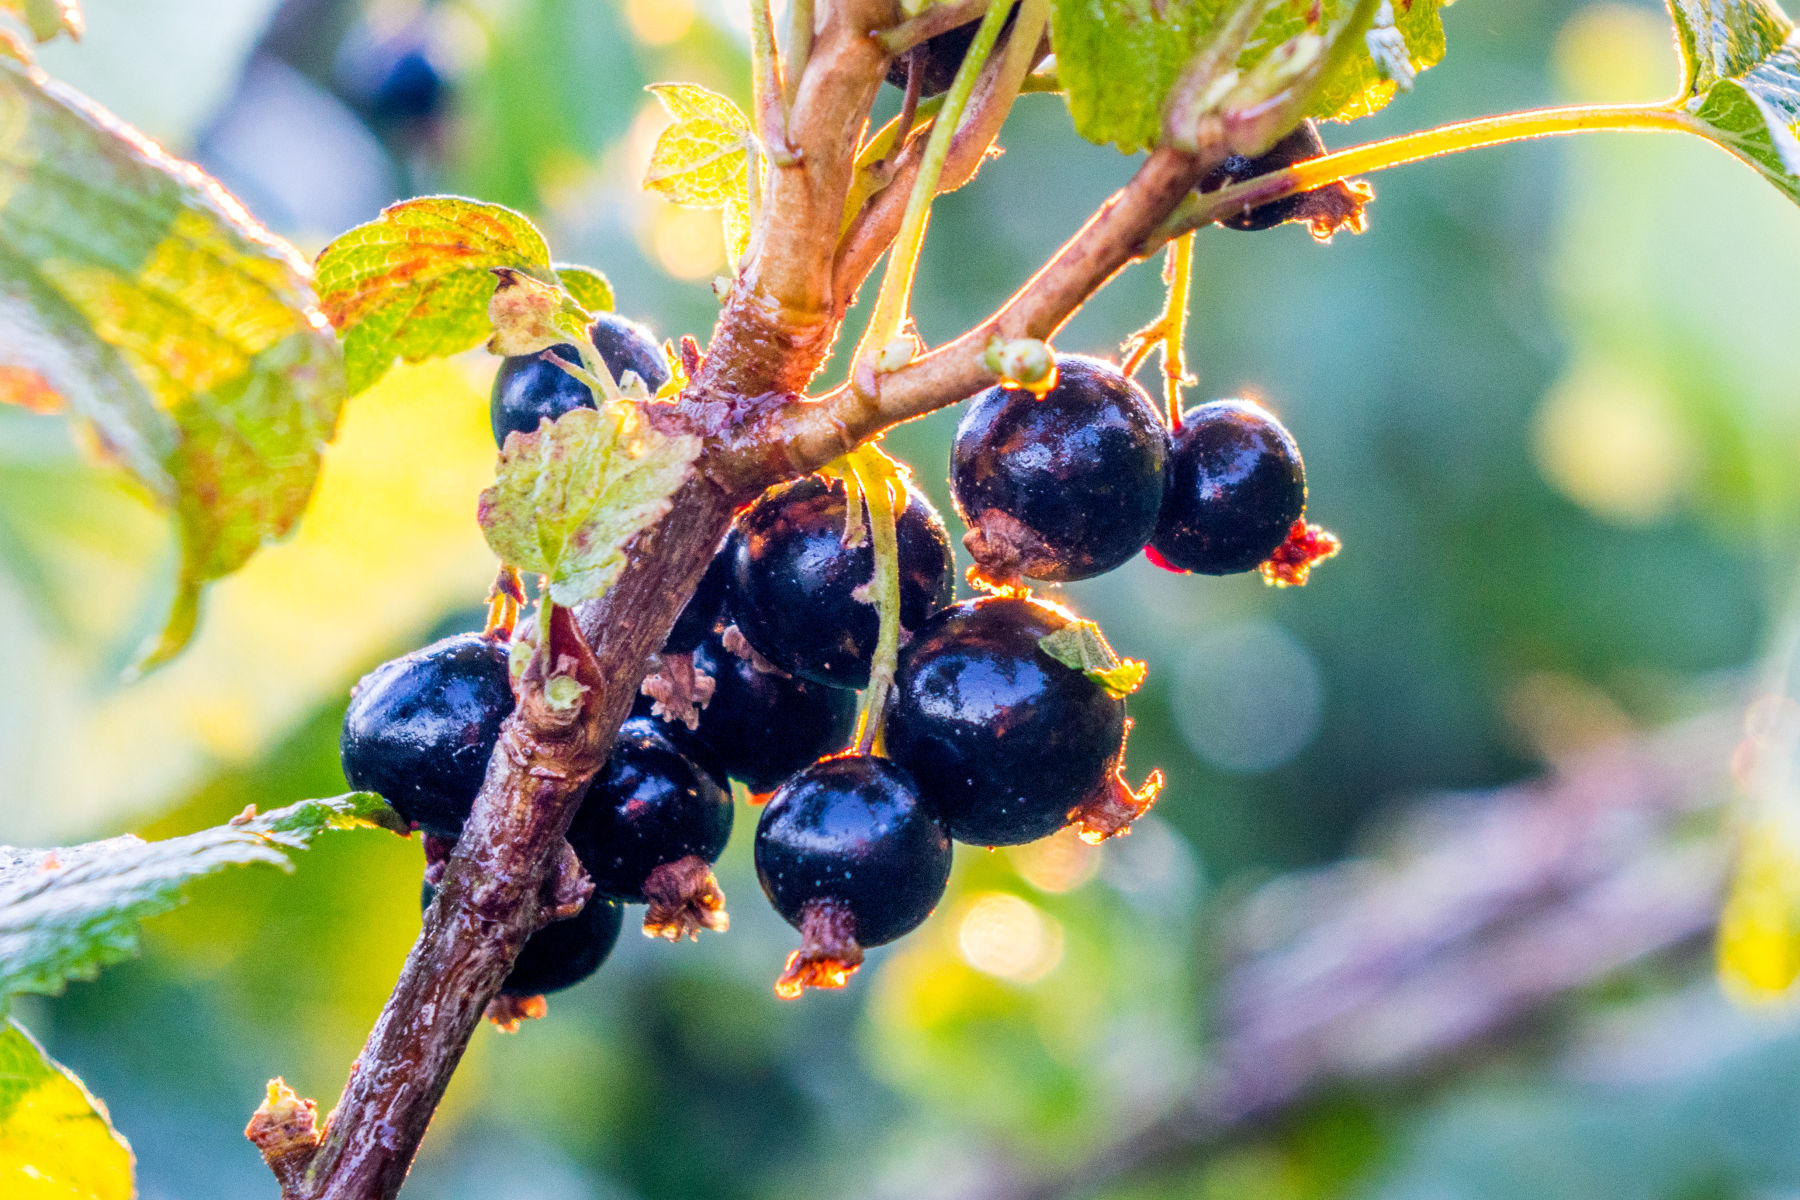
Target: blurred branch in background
[1482,910]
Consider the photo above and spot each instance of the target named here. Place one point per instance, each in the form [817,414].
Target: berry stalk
[1429,143]
[874,471]
[891,306]
[1169,331]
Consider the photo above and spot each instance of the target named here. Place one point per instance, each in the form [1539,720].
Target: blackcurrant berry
[528,390]
[411,88]
[1327,208]
[849,856]
[706,607]
[1236,487]
[1006,743]
[562,953]
[941,57]
[648,828]
[1064,487]
[795,582]
[420,729]
[761,727]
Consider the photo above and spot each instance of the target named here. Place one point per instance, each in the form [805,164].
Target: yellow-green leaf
[48,18]
[702,160]
[185,333]
[1741,79]
[1081,646]
[414,283]
[592,290]
[56,1141]
[736,217]
[572,495]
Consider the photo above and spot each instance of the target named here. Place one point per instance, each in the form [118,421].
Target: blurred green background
[1550,401]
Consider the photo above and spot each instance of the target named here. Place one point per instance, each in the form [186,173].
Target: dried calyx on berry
[528,389]
[420,729]
[1062,487]
[649,827]
[1007,743]
[798,591]
[850,856]
[1325,209]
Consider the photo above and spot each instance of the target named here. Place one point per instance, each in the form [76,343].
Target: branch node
[285,1129]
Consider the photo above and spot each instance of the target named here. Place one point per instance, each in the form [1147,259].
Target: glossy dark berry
[761,728]
[648,806]
[941,57]
[794,580]
[562,953]
[1303,143]
[1236,487]
[1062,487]
[706,608]
[854,832]
[420,729]
[1004,741]
[410,88]
[528,390]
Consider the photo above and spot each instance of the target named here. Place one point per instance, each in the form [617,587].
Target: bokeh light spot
[659,22]
[1607,439]
[1010,938]
[687,242]
[1249,697]
[1059,863]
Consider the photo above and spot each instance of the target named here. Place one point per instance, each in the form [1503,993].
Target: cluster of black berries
[1067,482]
[996,733]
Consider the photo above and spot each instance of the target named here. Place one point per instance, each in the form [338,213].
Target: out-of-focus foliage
[68,912]
[55,1140]
[1546,401]
[166,317]
[1119,59]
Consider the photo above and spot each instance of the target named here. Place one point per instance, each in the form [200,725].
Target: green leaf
[56,1141]
[592,290]
[1741,80]
[414,283]
[184,332]
[1081,646]
[48,18]
[703,159]
[66,913]
[1118,60]
[570,496]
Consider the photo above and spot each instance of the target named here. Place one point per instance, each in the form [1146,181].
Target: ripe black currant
[1064,487]
[1006,743]
[796,582]
[562,953]
[761,727]
[706,607]
[419,729]
[1236,488]
[849,856]
[1327,208]
[528,390]
[649,827]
